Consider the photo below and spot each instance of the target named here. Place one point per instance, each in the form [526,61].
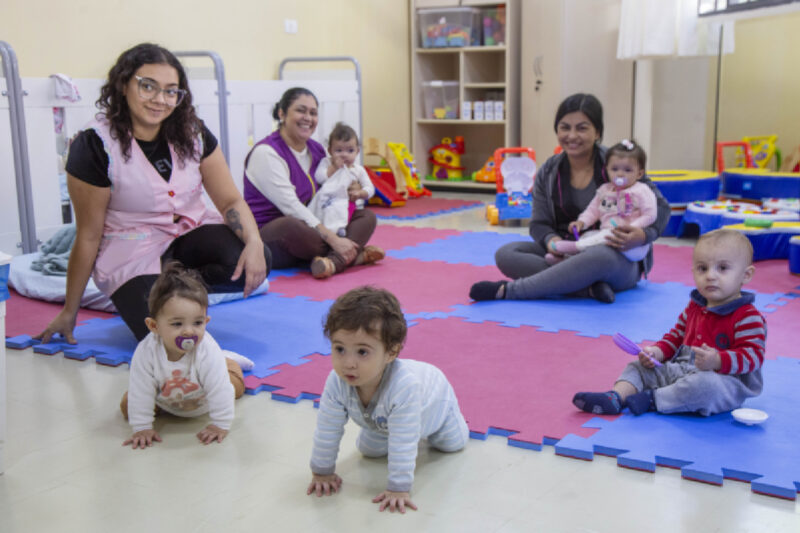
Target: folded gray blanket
[55,253]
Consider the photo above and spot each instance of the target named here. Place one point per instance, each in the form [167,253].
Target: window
[719,7]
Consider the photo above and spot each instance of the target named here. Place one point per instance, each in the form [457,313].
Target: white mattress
[34,284]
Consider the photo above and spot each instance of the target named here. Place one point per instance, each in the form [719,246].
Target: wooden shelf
[459,122]
[483,74]
[486,85]
[465,49]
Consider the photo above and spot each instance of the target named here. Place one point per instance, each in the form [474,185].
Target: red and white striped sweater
[737,330]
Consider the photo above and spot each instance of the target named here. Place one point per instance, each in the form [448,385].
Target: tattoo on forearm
[234,222]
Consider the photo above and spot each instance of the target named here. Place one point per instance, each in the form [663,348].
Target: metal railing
[222,95]
[19,142]
[357,67]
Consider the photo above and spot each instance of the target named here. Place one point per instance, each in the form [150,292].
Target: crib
[239,113]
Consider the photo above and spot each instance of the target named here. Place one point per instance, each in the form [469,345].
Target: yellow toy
[402,164]
[373,146]
[763,149]
[446,159]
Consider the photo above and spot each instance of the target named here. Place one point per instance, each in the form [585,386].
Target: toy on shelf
[494,25]
[763,149]
[486,172]
[446,159]
[514,178]
[449,27]
[402,164]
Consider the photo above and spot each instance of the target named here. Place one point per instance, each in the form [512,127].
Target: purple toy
[186,343]
[631,347]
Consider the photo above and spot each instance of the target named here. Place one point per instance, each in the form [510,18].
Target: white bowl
[749,416]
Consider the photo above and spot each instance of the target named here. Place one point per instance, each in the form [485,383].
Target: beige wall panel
[82,39]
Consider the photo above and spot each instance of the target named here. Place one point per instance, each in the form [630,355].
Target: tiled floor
[67,471]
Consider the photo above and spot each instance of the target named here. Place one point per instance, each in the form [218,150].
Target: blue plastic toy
[514,178]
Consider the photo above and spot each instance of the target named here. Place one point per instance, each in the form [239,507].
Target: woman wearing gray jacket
[564,186]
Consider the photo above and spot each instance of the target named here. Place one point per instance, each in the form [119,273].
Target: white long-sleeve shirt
[196,384]
[330,204]
[269,173]
[411,403]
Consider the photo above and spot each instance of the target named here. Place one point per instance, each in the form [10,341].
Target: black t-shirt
[574,201]
[88,160]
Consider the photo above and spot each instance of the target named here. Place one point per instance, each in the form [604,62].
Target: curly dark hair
[374,310]
[180,129]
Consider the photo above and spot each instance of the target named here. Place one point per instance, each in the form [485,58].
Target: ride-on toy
[514,178]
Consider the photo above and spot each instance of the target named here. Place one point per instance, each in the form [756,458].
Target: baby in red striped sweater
[712,357]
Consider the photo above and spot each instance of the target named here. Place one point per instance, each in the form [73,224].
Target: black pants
[212,249]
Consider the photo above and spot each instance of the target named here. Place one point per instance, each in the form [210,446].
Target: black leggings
[212,249]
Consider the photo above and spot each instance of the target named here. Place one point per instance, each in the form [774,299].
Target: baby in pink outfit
[624,200]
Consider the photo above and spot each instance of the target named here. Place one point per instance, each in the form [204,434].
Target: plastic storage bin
[441,99]
[493,26]
[449,26]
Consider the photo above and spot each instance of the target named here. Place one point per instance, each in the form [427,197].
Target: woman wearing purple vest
[279,184]
[136,177]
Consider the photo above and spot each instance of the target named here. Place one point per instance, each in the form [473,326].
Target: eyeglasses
[149,90]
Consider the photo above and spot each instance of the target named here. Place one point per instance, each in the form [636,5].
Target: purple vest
[263,209]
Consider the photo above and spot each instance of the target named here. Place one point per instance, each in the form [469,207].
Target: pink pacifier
[186,343]
[619,182]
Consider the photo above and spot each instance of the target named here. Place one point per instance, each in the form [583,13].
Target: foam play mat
[424,207]
[515,364]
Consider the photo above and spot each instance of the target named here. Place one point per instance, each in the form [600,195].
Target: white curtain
[671,28]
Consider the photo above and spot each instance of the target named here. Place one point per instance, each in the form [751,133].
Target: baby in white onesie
[345,184]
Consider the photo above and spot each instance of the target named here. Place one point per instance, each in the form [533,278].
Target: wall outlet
[290,25]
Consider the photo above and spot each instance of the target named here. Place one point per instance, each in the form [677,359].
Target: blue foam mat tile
[710,449]
[264,328]
[574,446]
[48,349]
[637,461]
[285,273]
[475,248]
[289,399]
[625,315]
[20,342]
[108,338]
[271,329]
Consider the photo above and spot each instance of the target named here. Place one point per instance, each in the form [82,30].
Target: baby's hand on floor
[212,433]
[143,439]
[324,484]
[394,501]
